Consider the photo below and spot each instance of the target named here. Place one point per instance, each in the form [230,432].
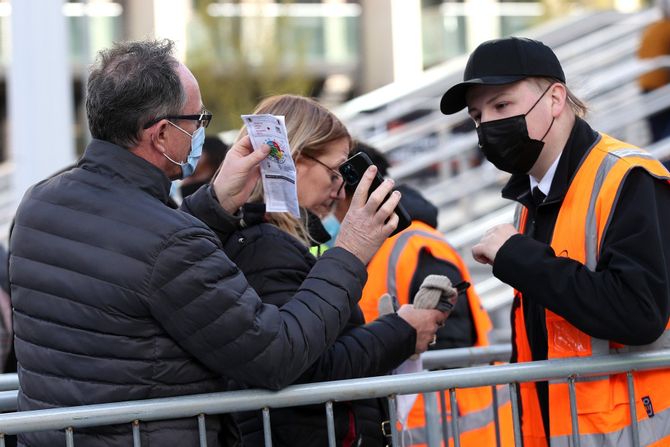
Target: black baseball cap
[503,61]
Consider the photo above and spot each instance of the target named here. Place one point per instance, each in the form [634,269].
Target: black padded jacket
[118,297]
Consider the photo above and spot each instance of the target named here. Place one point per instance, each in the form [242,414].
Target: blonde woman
[273,252]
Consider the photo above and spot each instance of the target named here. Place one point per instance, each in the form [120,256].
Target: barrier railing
[197,406]
[442,358]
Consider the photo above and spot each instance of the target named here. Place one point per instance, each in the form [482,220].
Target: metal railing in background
[569,370]
[371,111]
[9,383]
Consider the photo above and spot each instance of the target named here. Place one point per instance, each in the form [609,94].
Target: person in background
[272,252]
[7,357]
[213,152]
[117,296]
[399,268]
[655,41]
[588,254]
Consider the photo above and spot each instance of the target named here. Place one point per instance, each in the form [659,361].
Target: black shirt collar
[117,162]
[582,139]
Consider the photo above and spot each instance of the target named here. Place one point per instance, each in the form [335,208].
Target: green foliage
[234,79]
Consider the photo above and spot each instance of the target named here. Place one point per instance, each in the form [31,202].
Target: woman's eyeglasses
[336,179]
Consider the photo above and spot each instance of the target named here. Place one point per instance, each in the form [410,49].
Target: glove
[387,304]
[436,292]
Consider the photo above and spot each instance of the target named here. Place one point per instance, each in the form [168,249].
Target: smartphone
[353,169]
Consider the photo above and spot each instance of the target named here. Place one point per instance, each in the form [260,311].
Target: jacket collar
[317,231]
[111,160]
[582,138]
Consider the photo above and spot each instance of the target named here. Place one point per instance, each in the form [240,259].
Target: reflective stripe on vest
[398,248]
[446,253]
[592,243]
[648,431]
[391,271]
[467,423]
[602,402]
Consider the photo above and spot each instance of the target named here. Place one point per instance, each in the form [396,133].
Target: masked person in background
[213,152]
[272,252]
[588,252]
[655,42]
[399,268]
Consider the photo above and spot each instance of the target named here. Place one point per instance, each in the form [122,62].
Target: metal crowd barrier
[197,406]
[441,358]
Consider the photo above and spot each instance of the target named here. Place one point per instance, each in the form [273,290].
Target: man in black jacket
[117,296]
[588,256]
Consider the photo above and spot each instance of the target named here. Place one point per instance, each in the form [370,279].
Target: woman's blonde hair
[310,127]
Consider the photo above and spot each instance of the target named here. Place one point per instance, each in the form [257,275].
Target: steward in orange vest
[596,207]
[655,42]
[399,268]
[591,264]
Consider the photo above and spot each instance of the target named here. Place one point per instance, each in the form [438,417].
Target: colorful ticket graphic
[277,170]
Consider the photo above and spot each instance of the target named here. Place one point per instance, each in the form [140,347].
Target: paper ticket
[277,170]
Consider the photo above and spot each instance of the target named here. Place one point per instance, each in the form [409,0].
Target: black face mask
[506,143]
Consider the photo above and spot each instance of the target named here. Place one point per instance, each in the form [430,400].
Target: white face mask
[174,188]
[332,226]
[197,141]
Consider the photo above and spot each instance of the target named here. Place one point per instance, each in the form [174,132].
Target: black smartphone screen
[353,169]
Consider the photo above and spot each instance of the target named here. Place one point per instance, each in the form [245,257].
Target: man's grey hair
[129,85]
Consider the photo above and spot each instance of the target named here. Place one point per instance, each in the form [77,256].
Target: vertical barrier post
[496,416]
[432,414]
[454,417]
[574,419]
[393,420]
[445,425]
[330,420]
[635,433]
[202,430]
[267,430]
[518,442]
[137,441]
[2,440]
[69,437]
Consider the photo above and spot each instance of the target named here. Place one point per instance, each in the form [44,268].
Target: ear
[299,161]
[559,98]
[158,136]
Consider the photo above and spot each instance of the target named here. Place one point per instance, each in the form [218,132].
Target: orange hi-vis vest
[602,403]
[391,271]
